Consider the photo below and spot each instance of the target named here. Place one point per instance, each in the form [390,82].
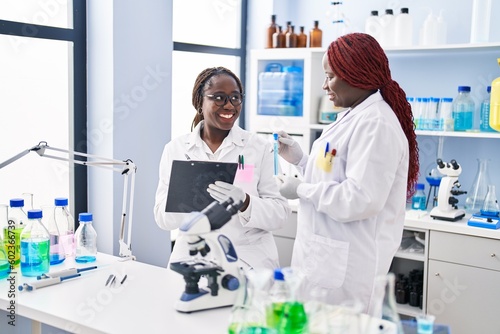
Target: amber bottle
[291,38]
[279,38]
[315,36]
[270,32]
[301,38]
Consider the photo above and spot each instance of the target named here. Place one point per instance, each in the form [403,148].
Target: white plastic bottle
[388,24]
[429,30]
[404,28]
[373,27]
[442,29]
[480,23]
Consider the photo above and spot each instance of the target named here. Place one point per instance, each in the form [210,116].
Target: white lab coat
[350,220]
[249,231]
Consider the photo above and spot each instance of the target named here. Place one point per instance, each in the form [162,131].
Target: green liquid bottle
[294,319]
[12,232]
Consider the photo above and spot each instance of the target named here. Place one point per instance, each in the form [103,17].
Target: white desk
[144,303]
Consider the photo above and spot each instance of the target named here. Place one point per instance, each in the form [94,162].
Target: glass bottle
[278,296]
[291,37]
[35,246]
[463,109]
[16,223]
[4,260]
[490,207]
[315,36]
[477,193]
[484,121]
[419,198]
[85,239]
[301,38]
[270,32]
[66,224]
[279,38]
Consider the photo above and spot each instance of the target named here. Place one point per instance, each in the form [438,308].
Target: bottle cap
[16,203]
[464,88]
[389,12]
[488,89]
[34,214]
[61,201]
[447,99]
[85,217]
[420,186]
[404,10]
[278,275]
[374,12]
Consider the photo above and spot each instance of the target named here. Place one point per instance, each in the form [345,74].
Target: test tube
[275,151]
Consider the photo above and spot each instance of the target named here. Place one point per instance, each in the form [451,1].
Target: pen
[327,148]
[276,147]
[187,157]
[123,280]
[241,162]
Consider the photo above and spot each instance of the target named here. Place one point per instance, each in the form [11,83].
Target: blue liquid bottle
[35,246]
[418,200]
[463,109]
[85,239]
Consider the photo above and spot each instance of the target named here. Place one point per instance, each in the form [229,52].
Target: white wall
[129,97]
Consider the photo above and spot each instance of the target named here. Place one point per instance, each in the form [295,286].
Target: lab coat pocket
[327,264]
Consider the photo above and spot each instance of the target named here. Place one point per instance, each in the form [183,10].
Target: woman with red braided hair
[357,178]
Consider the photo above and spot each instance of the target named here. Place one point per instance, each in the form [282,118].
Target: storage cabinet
[463,282]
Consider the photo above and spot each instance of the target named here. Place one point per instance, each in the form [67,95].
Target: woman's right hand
[289,149]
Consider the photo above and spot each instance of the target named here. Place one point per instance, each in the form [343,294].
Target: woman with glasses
[215,136]
[357,178]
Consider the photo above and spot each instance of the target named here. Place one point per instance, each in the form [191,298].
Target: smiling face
[220,117]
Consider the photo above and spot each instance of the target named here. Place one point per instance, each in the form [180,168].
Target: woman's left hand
[221,191]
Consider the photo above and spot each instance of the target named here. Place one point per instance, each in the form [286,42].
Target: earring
[200,111]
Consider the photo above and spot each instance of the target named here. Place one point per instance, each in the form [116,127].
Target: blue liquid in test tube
[275,151]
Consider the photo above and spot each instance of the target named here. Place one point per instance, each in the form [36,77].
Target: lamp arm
[128,168]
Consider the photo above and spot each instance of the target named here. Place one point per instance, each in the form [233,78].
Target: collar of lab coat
[236,136]
[375,97]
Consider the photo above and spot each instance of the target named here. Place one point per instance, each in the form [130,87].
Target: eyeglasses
[220,100]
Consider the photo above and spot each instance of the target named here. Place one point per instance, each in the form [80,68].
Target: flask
[4,260]
[315,36]
[35,246]
[16,223]
[479,188]
[270,32]
[480,23]
[388,26]
[446,121]
[85,239]
[301,38]
[418,200]
[291,37]
[490,206]
[463,109]
[373,27]
[404,28]
[278,296]
[495,103]
[484,121]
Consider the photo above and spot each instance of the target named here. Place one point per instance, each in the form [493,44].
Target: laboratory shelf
[461,134]
[410,256]
[410,311]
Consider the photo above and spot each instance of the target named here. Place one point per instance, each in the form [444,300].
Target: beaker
[4,260]
[490,206]
[477,193]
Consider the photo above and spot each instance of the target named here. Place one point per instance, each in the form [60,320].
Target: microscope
[212,256]
[447,208]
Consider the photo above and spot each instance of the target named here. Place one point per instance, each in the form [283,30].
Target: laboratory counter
[143,303]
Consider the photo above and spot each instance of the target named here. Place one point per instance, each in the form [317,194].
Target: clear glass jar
[85,239]
[463,110]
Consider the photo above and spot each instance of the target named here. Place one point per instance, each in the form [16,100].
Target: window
[43,98]
[212,35]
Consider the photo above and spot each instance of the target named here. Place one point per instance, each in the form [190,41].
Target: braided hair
[203,80]
[359,60]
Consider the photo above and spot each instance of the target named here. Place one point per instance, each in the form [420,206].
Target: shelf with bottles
[461,134]
[451,48]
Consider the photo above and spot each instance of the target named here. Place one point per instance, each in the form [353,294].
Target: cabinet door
[465,298]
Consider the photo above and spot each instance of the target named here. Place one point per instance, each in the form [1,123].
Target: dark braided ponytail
[203,80]
[359,60]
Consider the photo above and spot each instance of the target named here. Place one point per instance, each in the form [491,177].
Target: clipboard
[189,181]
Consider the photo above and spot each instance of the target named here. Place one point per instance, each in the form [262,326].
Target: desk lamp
[125,167]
